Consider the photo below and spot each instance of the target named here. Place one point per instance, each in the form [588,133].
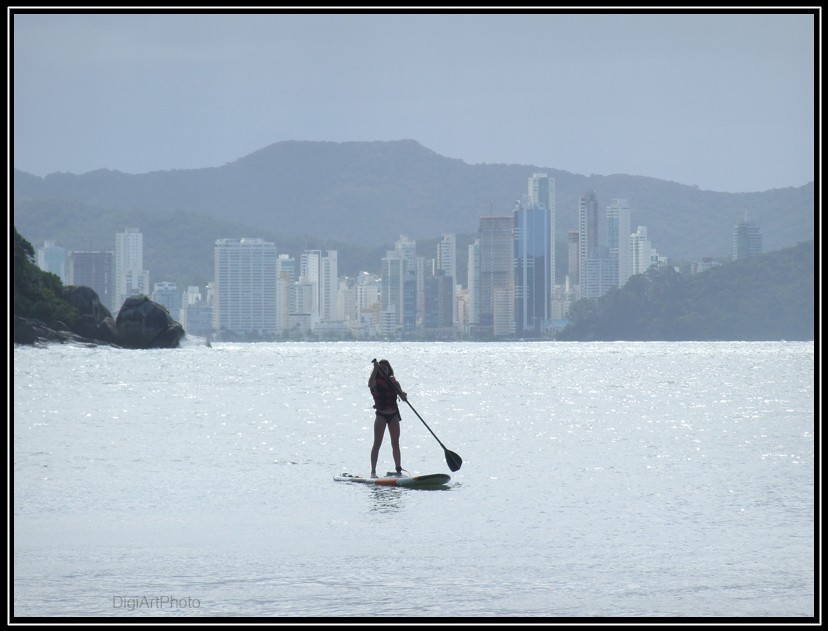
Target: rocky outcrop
[95,320]
[30,331]
[141,323]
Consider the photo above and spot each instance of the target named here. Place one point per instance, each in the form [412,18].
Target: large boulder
[143,323]
[95,320]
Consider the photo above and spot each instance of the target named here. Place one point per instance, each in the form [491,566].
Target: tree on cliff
[37,294]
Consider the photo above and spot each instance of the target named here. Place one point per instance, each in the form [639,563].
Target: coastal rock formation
[95,321]
[142,323]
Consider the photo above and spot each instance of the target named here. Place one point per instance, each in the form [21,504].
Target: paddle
[452,459]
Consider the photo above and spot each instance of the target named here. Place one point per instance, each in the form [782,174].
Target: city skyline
[510,286]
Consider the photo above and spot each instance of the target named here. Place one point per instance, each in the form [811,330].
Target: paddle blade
[453,460]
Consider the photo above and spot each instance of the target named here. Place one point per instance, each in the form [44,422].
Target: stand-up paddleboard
[428,481]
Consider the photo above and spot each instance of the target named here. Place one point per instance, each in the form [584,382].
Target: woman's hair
[386,366]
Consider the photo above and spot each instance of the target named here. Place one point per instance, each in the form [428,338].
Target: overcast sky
[724,102]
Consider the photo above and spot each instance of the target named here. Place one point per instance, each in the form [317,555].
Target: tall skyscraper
[245,288]
[497,277]
[590,242]
[310,266]
[618,238]
[403,283]
[572,240]
[393,284]
[747,239]
[329,286]
[413,282]
[439,294]
[447,263]
[542,196]
[321,270]
[534,266]
[473,282]
[131,279]
[407,250]
[286,276]
[447,255]
[542,191]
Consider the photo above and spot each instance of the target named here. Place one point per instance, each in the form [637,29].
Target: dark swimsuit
[385,396]
[390,417]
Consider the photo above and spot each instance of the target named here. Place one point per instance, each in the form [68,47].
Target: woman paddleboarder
[385,389]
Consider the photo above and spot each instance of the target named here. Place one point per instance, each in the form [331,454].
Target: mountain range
[367,194]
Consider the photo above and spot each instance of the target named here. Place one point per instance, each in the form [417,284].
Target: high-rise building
[403,275]
[321,270]
[473,283]
[497,275]
[572,240]
[747,239]
[131,279]
[534,268]
[439,294]
[407,250]
[643,254]
[542,191]
[245,288]
[618,238]
[411,295]
[503,311]
[95,270]
[447,255]
[535,272]
[52,258]
[393,285]
[329,287]
[590,243]
[166,293]
[413,284]
[447,263]
[368,291]
[286,276]
[310,270]
[304,300]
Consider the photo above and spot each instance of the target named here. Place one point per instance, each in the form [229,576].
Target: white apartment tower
[643,255]
[618,238]
[321,270]
[447,262]
[590,242]
[245,288]
[131,279]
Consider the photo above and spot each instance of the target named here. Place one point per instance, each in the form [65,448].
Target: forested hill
[369,193]
[767,297]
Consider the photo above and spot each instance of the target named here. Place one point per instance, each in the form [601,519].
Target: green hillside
[767,297]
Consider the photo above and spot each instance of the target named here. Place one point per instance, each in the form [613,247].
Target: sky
[725,102]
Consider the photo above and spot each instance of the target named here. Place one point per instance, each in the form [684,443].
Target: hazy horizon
[724,102]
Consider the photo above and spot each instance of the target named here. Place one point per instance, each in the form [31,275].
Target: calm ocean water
[599,480]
